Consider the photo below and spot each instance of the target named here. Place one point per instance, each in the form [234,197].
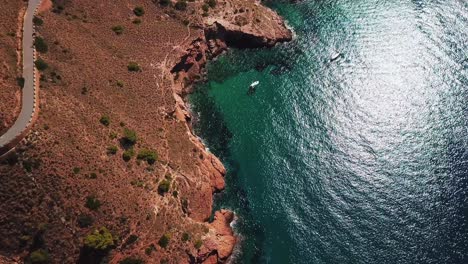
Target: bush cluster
[118,29]
[84,220]
[92,203]
[133,67]
[39,256]
[164,240]
[100,240]
[41,45]
[105,120]
[37,21]
[131,260]
[164,186]
[138,11]
[149,155]
[41,64]
[181,5]
[130,136]
[112,150]
[128,154]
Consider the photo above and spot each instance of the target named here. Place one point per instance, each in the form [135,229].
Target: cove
[359,160]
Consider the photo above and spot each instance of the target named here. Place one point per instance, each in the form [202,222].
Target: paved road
[29,96]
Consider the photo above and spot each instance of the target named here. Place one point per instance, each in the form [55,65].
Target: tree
[38,21]
[130,136]
[105,120]
[92,203]
[84,220]
[133,67]
[39,256]
[211,3]
[138,11]
[164,2]
[112,150]
[181,5]
[118,29]
[100,240]
[164,240]
[128,154]
[149,155]
[41,64]
[40,45]
[164,186]
[131,260]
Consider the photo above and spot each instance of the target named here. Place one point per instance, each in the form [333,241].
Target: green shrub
[20,81]
[198,243]
[164,240]
[164,187]
[38,21]
[164,2]
[205,7]
[100,240]
[92,203]
[130,136]
[150,249]
[120,83]
[39,256]
[181,5]
[76,170]
[113,135]
[118,29]
[41,64]
[105,120]
[131,260]
[40,45]
[128,154]
[211,3]
[112,150]
[175,194]
[92,175]
[138,11]
[85,220]
[136,21]
[185,237]
[131,239]
[133,67]
[149,155]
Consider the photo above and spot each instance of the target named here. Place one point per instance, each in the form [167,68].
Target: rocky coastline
[217,37]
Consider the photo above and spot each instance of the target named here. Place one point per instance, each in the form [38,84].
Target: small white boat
[335,56]
[254,84]
[252,87]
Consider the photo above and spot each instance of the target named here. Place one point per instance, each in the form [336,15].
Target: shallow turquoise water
[362,160]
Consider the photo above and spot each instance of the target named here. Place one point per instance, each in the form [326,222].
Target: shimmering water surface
[361,160]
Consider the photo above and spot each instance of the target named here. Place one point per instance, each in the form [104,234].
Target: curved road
[29,92]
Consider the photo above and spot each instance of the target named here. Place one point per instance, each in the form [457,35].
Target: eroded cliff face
[66,160]
[219,34]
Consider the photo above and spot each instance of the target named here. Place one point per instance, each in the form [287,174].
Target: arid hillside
[110,171]
[11,14]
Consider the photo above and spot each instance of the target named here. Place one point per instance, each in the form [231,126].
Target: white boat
[252,87]
[254,84]
[335,56]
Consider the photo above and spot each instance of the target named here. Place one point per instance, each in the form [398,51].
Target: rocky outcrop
[219,243]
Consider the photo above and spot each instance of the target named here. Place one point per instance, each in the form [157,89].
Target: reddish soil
[11,13]
[46,181]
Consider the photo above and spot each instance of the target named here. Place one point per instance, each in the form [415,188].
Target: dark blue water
[360,160]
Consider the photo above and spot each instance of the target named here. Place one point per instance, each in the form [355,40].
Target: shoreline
[186,73]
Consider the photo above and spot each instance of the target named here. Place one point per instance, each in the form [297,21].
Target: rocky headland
[113,146]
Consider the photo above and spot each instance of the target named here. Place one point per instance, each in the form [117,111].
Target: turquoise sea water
[360,160]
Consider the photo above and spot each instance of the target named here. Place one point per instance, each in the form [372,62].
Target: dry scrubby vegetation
[9,70]
[108,158]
